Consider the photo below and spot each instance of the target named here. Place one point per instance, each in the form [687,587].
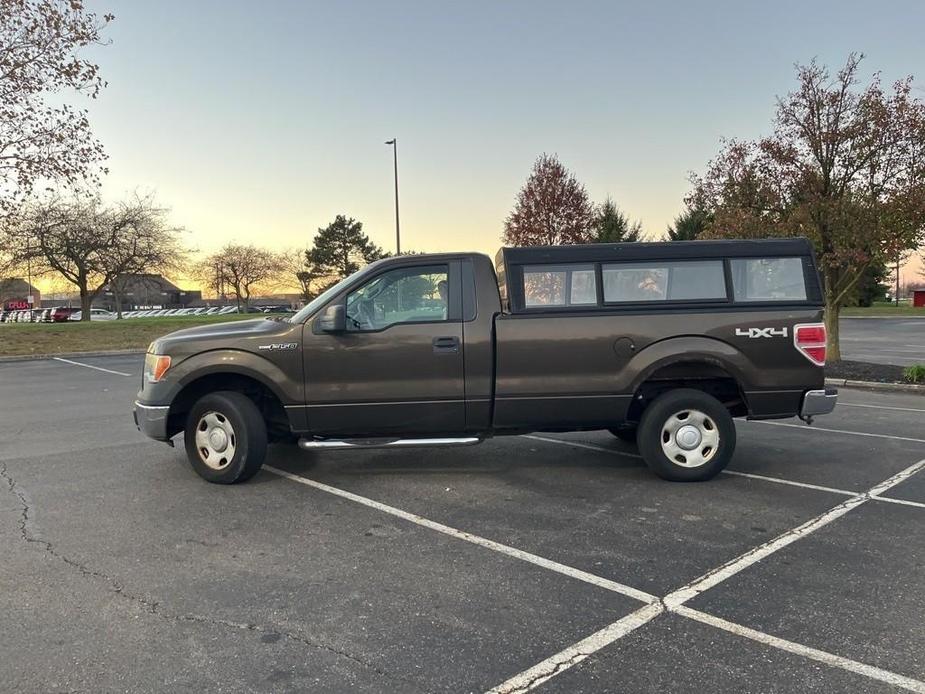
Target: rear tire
[225,437]
[686,435]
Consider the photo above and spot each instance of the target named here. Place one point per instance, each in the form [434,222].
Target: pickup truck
[663,344]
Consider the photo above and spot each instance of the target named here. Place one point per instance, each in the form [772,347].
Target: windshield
[321,299]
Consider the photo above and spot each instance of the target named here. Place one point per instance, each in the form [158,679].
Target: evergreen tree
[688,225]
[340,249]
[612,226]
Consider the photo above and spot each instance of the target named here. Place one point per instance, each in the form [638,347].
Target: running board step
[358,444]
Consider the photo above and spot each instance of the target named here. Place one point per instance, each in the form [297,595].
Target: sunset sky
[258,122]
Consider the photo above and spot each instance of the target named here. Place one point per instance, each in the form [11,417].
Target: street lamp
[394,143]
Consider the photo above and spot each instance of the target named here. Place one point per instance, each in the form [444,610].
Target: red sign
[17,305]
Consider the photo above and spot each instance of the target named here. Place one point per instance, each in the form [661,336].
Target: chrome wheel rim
[689,438]
[215,440]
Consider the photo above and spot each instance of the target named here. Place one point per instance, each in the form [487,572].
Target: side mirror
[334,319]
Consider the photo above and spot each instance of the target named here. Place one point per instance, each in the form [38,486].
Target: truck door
[397,369]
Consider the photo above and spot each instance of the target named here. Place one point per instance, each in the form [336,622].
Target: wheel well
[274,414]
[709,378]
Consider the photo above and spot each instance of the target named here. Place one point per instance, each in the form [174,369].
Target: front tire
[225,437]
[686,435]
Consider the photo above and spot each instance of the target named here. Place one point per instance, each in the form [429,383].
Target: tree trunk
[117,298]
[832,310]
[85,300]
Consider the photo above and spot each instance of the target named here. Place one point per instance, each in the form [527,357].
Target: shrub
[915,373]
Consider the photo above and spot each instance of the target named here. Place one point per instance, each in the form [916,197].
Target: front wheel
[225,437]
[686,435]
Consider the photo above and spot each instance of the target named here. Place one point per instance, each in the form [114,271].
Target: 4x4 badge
[761,332]
[279,345]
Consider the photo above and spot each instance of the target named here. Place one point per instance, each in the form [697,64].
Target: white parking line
[731,568]
[734,473]
[674,601]
[834,431]
[90,366]
[569,571]
[830,659]
[574,654]
[576,444]
[879,407]
[903,502]
[792,483]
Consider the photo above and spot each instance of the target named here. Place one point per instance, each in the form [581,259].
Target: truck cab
[661,343]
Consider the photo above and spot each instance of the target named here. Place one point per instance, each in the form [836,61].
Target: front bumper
[816,402]
[151,420]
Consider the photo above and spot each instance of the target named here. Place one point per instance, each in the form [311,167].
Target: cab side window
[403,295]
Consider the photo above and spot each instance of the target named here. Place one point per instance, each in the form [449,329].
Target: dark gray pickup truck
[661,343]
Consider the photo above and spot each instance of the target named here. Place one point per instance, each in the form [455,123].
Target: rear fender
[683,349]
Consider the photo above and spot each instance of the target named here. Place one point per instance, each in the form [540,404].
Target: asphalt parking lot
[554,562]
[898,341]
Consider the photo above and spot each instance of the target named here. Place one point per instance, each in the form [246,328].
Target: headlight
[156,366]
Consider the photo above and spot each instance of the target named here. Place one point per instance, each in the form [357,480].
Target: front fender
[282,375]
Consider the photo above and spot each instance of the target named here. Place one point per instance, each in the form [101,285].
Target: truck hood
[247,335]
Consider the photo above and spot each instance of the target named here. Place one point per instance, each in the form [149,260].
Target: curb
[912,317]
[875,385]
[70,355]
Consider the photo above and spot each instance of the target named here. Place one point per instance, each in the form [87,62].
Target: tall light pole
[394,143]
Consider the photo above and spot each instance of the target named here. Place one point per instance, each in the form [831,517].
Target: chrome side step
[359,444]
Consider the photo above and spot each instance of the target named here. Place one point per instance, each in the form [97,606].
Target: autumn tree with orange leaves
[845,167]
[552,209]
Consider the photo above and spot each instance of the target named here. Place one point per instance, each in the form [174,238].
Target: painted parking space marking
[735,473]
[880,407]
[834,431]
[830,659]
[674,602]
[654,606]
[792,483]
[731,568]
[577,444]
[90,366]
[569,571]
[574,654]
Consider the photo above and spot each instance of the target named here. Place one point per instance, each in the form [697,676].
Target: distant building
[146,291]
[15,293]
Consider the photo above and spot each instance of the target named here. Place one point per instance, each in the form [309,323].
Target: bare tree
[90,244]
[150,246]
[239,269]
[41,43]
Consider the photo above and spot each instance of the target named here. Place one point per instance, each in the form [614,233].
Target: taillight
[809,339]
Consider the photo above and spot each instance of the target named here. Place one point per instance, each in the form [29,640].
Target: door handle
[446,345]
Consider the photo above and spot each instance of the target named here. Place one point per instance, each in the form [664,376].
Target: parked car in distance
[59,314]
[95,314]
[661,343]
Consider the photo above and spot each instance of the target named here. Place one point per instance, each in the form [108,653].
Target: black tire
[668,412]
[626,433]
[248,437]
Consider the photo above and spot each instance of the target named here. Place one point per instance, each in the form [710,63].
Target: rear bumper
[151,420]
[816,402]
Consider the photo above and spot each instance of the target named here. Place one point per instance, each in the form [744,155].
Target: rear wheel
[225,437]
[686,435]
